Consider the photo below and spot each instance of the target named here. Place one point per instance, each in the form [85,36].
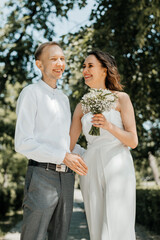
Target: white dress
[109,187]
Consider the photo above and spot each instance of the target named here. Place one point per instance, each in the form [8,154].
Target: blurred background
[130,31]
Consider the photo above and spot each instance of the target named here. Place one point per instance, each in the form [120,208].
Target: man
[42,135]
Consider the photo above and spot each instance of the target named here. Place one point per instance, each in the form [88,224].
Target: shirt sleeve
[79,150]
[25,142]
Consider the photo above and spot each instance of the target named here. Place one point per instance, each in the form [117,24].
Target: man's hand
[75,162]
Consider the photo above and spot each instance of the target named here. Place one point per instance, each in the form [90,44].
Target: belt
[50,166]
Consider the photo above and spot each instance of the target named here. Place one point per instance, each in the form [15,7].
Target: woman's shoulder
[78,110]
[79,107]
[122,96]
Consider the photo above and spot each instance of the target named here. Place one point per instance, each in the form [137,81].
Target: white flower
[98,101]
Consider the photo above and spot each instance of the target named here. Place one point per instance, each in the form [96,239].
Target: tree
[27,23]
[130,31]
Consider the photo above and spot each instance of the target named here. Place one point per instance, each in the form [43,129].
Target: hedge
[5,196]
[10,201]
[148,208]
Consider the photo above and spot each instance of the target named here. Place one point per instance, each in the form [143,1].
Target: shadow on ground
[78,228]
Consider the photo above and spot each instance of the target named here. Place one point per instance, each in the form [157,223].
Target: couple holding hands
[45,135]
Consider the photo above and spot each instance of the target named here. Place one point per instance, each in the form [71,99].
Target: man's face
[51,63]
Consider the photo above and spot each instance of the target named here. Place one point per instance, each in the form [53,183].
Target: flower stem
[94,131]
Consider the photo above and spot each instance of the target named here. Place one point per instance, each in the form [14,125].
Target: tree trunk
[153,165]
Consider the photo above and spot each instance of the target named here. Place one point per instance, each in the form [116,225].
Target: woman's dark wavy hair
[112,81]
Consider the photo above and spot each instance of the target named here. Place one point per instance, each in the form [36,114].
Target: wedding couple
[44,136]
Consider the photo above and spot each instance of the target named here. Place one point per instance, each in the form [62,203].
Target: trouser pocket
[28,179]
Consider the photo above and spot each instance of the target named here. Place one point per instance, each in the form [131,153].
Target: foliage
[12,168]
[76,49]
[26,23]
[148,211]
[10,221]
[5,201]
[130,31]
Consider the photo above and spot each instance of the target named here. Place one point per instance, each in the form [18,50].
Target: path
[78,228]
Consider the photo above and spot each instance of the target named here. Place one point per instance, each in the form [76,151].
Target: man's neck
[52,83]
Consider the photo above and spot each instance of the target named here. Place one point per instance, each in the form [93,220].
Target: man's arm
[25,142]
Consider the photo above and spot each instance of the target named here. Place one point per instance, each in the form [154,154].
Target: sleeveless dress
[109,187]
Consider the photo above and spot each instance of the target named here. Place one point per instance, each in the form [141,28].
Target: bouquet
[98,101]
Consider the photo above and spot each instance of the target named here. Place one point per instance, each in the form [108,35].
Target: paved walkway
[78,228]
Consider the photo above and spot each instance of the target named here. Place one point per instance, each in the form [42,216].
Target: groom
[42,135]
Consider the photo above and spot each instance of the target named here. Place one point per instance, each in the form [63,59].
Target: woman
[109,187]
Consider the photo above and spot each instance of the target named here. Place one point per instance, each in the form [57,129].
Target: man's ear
[39,64]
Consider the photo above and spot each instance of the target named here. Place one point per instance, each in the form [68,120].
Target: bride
[109,187]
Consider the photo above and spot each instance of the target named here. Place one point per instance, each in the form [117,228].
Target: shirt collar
[47,87]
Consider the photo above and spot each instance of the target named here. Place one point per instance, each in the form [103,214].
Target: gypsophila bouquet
[98,101]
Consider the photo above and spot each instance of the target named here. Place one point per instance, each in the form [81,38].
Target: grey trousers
[47,205]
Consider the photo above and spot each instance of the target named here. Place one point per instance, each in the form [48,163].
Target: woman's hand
[99,120]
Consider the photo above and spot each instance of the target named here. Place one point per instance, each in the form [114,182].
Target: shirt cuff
[79,150]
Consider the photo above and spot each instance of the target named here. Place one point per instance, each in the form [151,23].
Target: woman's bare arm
[76,126]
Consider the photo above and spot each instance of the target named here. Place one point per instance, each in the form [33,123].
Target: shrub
[5,197]
[148,208]
[17,203]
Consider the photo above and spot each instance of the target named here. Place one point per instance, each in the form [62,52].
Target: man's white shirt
[43,123]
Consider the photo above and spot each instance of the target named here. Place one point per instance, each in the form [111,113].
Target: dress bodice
[112,116]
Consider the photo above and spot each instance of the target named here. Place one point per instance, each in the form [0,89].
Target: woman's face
[93,72]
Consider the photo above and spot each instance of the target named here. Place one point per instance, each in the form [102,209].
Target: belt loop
[47,168]
[66,169]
